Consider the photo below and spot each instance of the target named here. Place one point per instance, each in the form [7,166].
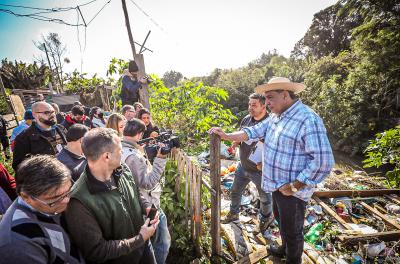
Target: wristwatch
[294,189]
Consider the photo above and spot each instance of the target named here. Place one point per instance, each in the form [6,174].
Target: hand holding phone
[152,214]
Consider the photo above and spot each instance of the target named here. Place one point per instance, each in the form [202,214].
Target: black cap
[133,67]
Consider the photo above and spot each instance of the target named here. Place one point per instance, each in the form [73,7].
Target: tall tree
[329,34]
[171,78]
[55,51]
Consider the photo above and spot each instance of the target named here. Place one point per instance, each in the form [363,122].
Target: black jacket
[32,141]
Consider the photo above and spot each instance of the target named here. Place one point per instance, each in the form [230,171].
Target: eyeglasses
[59,199]
[46,112]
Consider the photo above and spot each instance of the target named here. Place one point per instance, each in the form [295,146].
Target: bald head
[40,106]
[44,114]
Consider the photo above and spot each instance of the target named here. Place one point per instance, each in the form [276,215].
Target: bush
[385,149]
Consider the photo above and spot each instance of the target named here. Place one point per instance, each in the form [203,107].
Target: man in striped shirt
[297,156]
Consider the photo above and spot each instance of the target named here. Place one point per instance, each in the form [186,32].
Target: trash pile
[323,232]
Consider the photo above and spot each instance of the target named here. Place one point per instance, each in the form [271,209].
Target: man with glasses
[31,230]
[44,136]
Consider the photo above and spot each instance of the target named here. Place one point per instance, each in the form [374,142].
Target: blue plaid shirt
[296,147]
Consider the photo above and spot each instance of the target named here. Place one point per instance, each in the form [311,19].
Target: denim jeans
[147,255]
[161,240]
[290,211]
[242,178]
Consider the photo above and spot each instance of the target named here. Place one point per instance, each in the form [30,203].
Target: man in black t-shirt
[250,156]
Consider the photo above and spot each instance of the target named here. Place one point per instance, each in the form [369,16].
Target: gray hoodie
[146,176]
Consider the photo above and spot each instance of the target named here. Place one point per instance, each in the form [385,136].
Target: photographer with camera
[131,83]
[147,177]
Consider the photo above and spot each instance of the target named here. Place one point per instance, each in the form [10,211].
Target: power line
[48,9]
[151,19]
[98,12]
[38,16]
[41,18]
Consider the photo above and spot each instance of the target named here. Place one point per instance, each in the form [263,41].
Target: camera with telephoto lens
[153,145]
[148,78]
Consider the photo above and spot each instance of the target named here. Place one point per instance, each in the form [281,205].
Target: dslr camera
[153,144]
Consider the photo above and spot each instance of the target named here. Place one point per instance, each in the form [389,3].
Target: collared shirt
[296,147]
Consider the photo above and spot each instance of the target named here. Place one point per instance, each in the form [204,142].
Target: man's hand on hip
[286,190]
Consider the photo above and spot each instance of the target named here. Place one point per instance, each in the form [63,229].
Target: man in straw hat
[297,156]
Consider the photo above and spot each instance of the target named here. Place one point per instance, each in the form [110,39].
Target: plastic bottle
[313,234]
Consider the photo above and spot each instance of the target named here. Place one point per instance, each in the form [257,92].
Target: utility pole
[138,58]
[128,27]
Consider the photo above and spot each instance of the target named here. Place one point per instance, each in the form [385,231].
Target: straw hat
[280,83]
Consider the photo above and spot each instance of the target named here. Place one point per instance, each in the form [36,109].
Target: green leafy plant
[385,149]
[78,83]
[173,205]
[190,109]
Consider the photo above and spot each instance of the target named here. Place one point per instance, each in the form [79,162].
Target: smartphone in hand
[152,213]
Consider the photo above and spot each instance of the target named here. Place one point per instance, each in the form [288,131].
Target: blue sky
[196,36]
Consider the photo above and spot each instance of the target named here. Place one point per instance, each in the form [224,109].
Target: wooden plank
[215,176]
[384,217]
[197,212]
[187,181]
[381,236]
[254,257]
[191,194]
[314,255]
[17,105]
[355,193]
[332,213]
[393,199]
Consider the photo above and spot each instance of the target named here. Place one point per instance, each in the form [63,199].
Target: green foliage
[190,109]
[383,150]
[172,78]
[77,83]
[355,89]
[19,75]
[3,105]
[173,205]
[240,83]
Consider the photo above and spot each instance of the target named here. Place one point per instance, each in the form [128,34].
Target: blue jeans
[161,240]
[290,211]
[242,178]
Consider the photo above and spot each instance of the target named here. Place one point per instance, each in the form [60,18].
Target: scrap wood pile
[352,218]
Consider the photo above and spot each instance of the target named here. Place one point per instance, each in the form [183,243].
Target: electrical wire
[151,19]
[98,12]
[38,15]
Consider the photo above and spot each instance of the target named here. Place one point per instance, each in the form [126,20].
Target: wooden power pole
[138,58]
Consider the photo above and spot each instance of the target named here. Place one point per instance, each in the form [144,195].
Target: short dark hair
[98,141]
[142,112]
[126,108]
[38,174]
[77,110]
[259,97]
[76,132]
[134,127]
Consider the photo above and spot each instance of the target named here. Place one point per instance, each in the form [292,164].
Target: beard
[48,122]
